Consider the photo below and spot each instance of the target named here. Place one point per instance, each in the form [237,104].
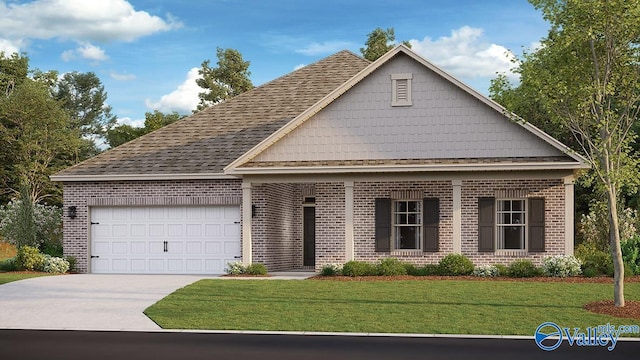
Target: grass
[438,306]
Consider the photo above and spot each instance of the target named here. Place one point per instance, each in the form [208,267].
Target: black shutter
[486,224]
[536,225]
[383,225]
[431,222]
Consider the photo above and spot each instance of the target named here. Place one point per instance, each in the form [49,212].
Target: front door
[309,237]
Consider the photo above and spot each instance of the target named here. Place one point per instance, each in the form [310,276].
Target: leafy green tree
[379,42]
[36,140]
[229,79]
[121,134]
[83,96]
[13,71]
[587,72]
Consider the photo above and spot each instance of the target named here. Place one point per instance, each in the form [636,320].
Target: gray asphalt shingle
[206,142]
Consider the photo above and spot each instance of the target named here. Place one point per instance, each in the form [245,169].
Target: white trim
[457,216]
[526,214]
[247,213]
[394,89]
[349,242]
[569,203]
[142,177]
[406,168]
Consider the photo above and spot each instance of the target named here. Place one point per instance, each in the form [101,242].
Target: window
[511,224]
[401,88]
[407,224]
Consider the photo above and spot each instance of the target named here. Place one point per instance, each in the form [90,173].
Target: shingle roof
[206,142]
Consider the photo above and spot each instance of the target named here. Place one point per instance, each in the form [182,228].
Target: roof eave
[142,177]
[407,168]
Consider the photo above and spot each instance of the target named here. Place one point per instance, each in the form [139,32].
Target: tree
[153,121]
[587,73]
[36,140]
[229,79]
[83,96]
[379,42]
[13,71]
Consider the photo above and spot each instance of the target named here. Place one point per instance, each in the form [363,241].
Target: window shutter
[383,225]
[486,224]
[536,225]
[430,225]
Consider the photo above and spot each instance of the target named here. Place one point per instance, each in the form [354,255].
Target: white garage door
[164,240]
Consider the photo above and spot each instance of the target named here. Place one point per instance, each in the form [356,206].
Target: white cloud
[104,20]
[466,54]
[10,47]
[298,67]
[325,48]
[184,99]
[86,51]
[130,122]
[122,77]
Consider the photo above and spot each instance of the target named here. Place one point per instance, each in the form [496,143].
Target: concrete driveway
[86,302]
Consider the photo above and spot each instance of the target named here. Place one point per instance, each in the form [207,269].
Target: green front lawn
[429,306]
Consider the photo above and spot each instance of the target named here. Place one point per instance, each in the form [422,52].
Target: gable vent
[401,88]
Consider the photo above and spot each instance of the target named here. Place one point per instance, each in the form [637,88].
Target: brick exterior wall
[83,195]
[365,193]
[277,226]
[330,224]
[551,190]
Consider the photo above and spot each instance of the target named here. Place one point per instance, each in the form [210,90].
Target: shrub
[411,269]
[523,268]
[55,265]
[592,258]
[430,269]
[455,264]
[391,267]
[358,268]
[628,271]
[503,270]
[593,228]
[631,253]
[331,269]
[29,258]
[589,272]
[36,225]
[561,266]
[256,269]
[486,271]
[235,268]
[72,262]
[8,264]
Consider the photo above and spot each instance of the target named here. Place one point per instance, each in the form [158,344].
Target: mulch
[631,309]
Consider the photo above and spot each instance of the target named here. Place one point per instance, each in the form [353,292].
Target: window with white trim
[401,89]
[407,224]
[511,224]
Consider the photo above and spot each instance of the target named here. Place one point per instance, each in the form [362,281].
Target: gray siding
[444,122]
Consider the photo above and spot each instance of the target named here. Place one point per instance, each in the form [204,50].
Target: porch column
[568,215]
[349,250]
[246,222]
[457,216]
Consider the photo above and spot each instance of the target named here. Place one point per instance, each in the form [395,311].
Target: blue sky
[146,52]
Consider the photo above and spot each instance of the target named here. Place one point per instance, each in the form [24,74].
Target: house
[343,159]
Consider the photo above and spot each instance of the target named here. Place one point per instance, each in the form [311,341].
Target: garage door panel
[120,265]
[138,265]
[138,247]
[119,247]
[198,239]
